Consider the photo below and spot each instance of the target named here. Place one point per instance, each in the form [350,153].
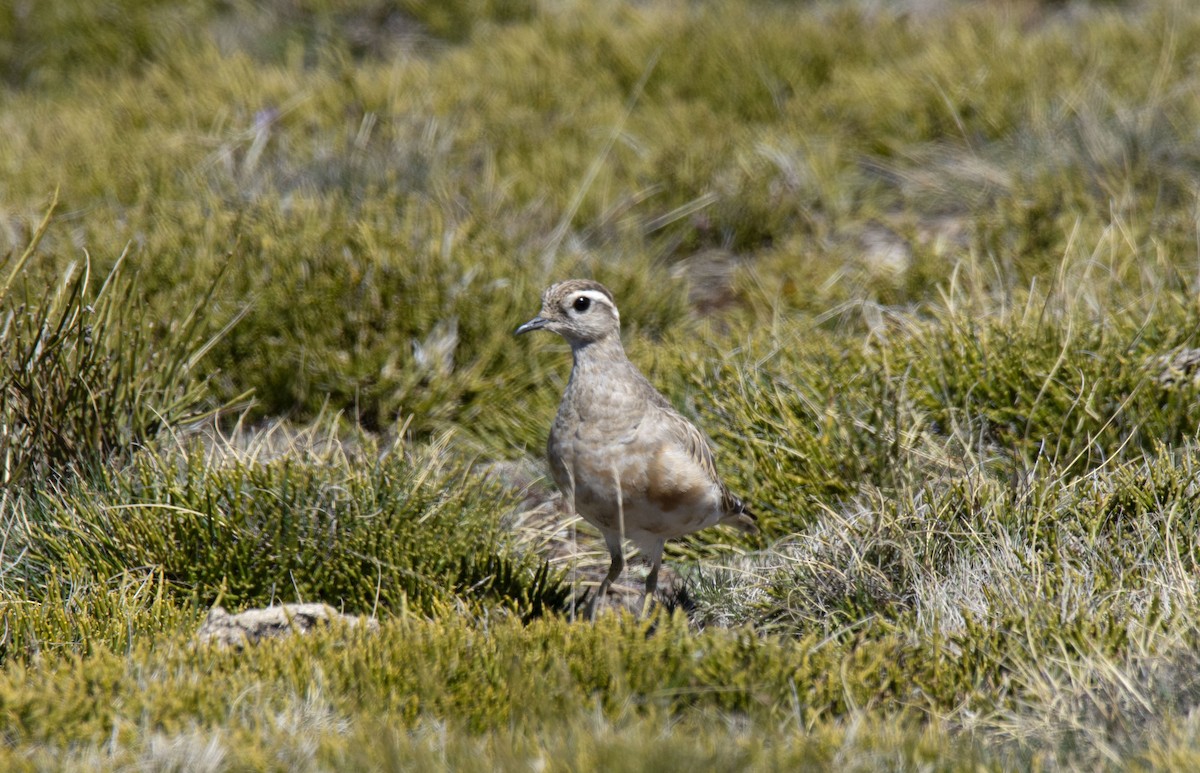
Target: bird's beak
[537,323]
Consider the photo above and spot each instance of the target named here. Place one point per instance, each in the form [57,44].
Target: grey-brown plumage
[624,458]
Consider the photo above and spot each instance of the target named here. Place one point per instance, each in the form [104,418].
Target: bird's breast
[619,477]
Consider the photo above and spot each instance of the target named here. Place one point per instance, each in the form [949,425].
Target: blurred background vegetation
[386,186]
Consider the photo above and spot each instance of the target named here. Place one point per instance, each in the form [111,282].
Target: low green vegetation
[927,276]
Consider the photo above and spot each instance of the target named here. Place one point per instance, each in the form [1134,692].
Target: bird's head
[579,310]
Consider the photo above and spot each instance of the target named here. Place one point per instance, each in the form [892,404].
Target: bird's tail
[741,517]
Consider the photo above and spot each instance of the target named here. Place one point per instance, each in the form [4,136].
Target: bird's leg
[615,544]
[569,497]
[614,571]
[655,554]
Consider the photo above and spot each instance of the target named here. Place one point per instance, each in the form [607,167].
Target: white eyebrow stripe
[596,296]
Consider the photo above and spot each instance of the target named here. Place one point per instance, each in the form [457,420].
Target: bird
[624,459]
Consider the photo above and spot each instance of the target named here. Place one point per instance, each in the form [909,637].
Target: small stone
[252,625]
[1180,368]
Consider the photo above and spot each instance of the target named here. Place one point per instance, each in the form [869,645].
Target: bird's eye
[582,303]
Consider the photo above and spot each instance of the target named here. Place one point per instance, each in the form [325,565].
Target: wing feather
[688,437]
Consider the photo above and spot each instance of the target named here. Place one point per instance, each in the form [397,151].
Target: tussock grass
[401,531]
[85,375]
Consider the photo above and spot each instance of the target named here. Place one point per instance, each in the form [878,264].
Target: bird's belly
[654,503]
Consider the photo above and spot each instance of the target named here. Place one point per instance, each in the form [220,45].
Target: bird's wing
[692,441]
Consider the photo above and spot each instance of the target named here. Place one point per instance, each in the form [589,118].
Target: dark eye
[582,303]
